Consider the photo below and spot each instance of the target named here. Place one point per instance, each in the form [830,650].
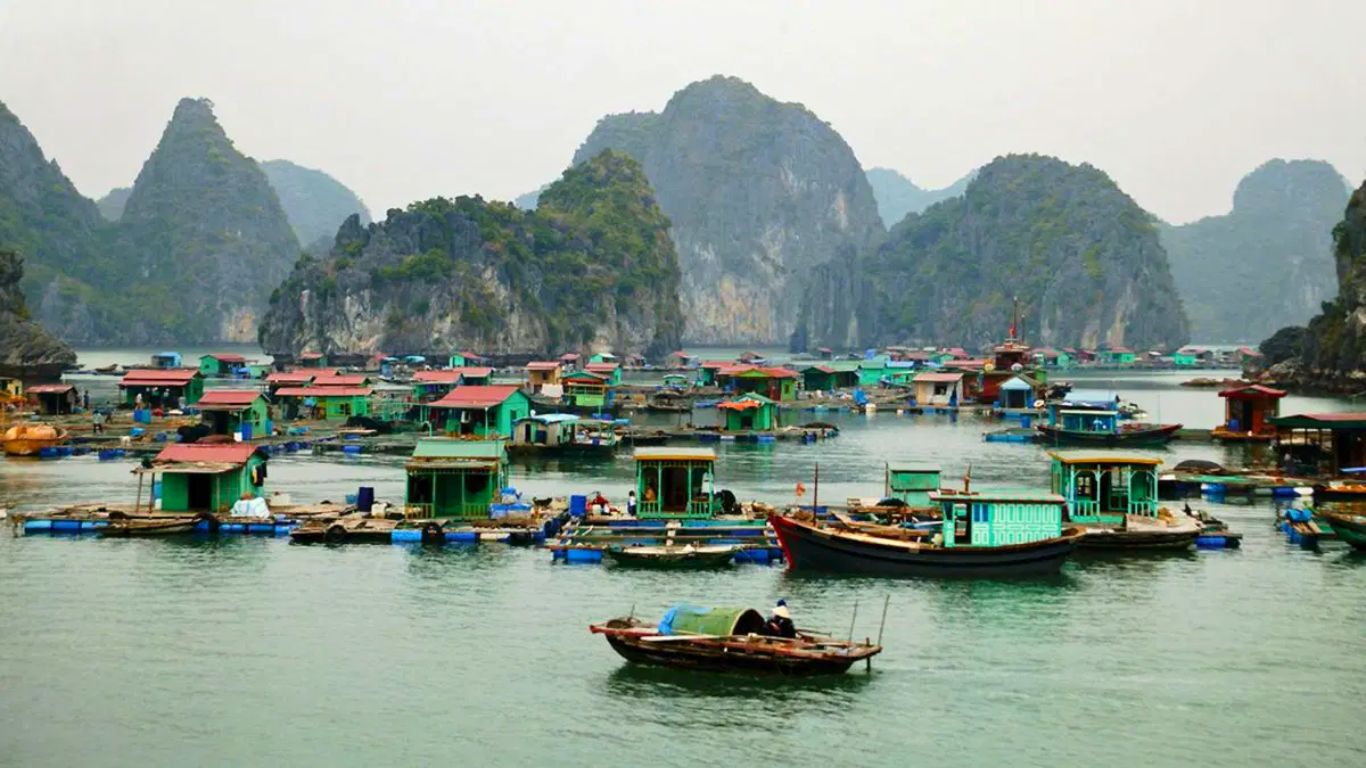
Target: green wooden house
[609,371]
[913,483]
[602,357]
[464,359]
[241,412]
[836,374]
[324,402]
[749,413]
[1103,487]
[675,483]
[450,478]
[872,370]
[1117,356]
[708,370]
[198,477]
[999,518]
[586,390]
[481,410]
[162,388]
[779,384]
[220,365]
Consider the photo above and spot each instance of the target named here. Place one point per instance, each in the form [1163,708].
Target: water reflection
[639,681]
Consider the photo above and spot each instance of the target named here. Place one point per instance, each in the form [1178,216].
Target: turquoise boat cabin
[1019,392]
[586,390]
[1103,487]
[913,483]
[222,366]
[749,413]
[324,403]
[548,430]
[481,410]
[162,388]
[676,381]
[450,478]
[1088,411]
[999,518]
[238,412]
[165,360]
[675,482]
[198,477]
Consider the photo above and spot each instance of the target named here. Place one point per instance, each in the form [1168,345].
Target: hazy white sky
[404,100]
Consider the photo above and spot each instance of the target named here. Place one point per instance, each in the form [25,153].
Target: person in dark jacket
[780,623]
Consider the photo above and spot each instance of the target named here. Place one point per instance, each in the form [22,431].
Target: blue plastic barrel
[583,556]
[37,525]
[352,450]
[406,536]
[365,498]
[578,505]
[462,537]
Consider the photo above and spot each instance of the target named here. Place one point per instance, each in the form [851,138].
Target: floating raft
[586,540]
[93,518]
[362,529]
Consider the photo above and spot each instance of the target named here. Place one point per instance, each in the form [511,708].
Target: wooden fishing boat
[107,369]
[674,556]
[1129,434]
[29,439]
[1350,528]
[122,526]
[1140,533]
[808,546]
[738,645]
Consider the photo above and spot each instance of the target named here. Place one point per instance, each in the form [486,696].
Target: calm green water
[250,651]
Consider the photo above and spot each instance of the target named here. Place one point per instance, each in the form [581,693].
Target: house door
[200,492]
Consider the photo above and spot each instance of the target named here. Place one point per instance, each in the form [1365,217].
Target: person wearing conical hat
[780,622]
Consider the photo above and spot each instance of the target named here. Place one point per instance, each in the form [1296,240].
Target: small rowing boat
[128,527]
[1348,527]
[29,439]
[674,556]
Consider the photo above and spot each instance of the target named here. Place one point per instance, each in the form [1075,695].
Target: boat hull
[808,548]
[1349,528]
[719,659]
[652,557]
[1154,436]
[1138,541]
[140,527]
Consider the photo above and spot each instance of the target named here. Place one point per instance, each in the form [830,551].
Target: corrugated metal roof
[339,380]
[450,376]
[225,358]
[1103,457]
[216,453]
[1322,420]
[159,377]
[1252,389]
[938,377]
[542,365]
[450,448]
[552,418]
[675,454]
[477,396]
[324,392]
[50,389]
[601,367]
[237,397]
[289,377]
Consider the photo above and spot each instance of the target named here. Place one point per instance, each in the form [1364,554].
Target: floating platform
[93,518]
[362,529]
[586,540]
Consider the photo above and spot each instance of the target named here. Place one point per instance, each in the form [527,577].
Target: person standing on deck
[97,422]
[85,400]
[631,504]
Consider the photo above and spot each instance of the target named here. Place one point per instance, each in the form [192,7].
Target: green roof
[450,448]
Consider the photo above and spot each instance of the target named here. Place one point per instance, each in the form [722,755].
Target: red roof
[450,376]
[337,380]
[474,372]
[601,367]
[477,396]
[211,453]
[289,377]
[227,358]
[738,405]
[158,377]
[1251,391]
[311,356]
[772,373]
[324,392]
[541,365]
[569,357]
[938,377]
[50,389]
[240,397]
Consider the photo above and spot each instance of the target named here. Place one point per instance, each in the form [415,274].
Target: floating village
[199,440]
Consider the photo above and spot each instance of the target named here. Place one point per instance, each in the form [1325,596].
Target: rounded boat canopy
[684,619]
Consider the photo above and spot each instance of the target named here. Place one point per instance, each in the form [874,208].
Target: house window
[344,408]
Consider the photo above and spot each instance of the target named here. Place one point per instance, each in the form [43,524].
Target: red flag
[801,490]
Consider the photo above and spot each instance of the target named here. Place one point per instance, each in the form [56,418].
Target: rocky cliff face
[1266,264]
[591,269]
[315,203]
[760,193]
[26,349]
[111,205]
[1082,258]
[203,233]
[897,195]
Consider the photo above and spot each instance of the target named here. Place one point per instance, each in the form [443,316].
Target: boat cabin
[221,366]
[165,360]
[830,376]
[198,477]
[539,373]
[1103,487]
[324,403]
[676,381]
[481,410]
[162,388]
[1019,392]
[675,482]
[586,390]
[1248,411]
[749,413]
[611,372]
[454,478]
[913,483]
[55,399]
[999,518]
[938,388]
[1099,417]
[549,430]
[237,412]
[1323,443]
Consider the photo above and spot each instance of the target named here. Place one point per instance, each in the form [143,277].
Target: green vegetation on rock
[591,267]
[26,349]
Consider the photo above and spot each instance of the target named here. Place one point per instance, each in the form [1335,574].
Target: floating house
[464,359]
[476,375]
[602,357]
[608,370]
[434,385]
[1186,357]
[750,412]
[1323,443]
[913,483]
[1116,356]
[324,403]
[162,388]
[545,431]
[54,399]
[1019,392]
[778,384]
[241,412]
[482,410]
[570,359]
[827,377]
[1248,411]
[454,478]
[334,379]
[11,387]
[675,381]
[675,483]
[707,371]
[681,359]
[583,389]
[220,365]
[943,388]
[312,360]
[1049,357]
[198,477]
[164,360]
[999,518]
[293,379]
[1102,487]
[539,373]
